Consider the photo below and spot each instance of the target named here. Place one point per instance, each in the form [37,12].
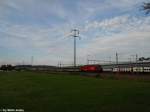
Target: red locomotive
[91,68]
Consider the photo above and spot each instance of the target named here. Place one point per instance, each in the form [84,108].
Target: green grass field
[48,92]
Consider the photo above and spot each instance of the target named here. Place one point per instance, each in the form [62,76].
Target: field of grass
[48,92]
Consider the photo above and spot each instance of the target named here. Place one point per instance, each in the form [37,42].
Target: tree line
[7,67]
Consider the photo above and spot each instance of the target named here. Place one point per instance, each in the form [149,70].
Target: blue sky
[41,28]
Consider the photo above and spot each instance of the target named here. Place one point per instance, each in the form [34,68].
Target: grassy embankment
[46,92]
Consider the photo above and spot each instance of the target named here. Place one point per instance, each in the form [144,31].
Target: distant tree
[146,7]
[10,67]
[144,59]
[6,67]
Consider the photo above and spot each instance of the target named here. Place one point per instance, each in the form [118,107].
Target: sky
[41,29]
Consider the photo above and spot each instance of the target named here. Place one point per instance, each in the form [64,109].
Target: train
[115,69]
[132,69]
[91,68]
[97,68]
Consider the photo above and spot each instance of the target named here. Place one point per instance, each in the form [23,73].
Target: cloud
[44,42]
[41,28]
[124,22]
[132,37]
[74,12]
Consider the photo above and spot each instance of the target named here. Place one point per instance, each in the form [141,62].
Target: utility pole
[129,60]
[116,58]
[88,59]
[136,58]
[132,58]
[22,62]
[59,64]
[75,33]
[109,60]
[32,59]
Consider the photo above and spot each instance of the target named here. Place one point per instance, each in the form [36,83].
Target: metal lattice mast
[75,33]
